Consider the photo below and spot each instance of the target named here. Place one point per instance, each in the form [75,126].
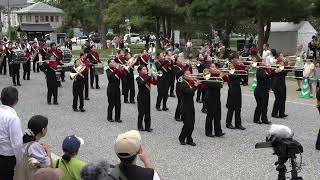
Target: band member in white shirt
[10,133]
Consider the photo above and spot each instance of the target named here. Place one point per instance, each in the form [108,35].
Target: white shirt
[156,176]
[10,132]
[309,70]
[265,54]
[270,60]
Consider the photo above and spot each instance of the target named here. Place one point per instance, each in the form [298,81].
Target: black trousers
[93,78]
[188,126]
[163,88]
[35,66]
[15,75]
[279,103]
[10,67]
[237,112]
[144,112]
[114,101]
[262,99]
[86,86]
[3,66]
[171,83]
[77,90]
[199,93]
[205,99]
[177,114]
[129,86]
[7,164]
[52,91]
[215,115]
[26,70]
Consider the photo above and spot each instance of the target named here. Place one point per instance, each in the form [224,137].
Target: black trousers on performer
[262,99]
[77,90]
[144,112]
[93,78]
[279,102]
[199,93]
[171,83]
[7,164]
[35,66]
[114,101]
[52,91]
[3,66]
[129,86]
[26,70]
[15,73]
[163,88]
[188,126]
[237,112]
[86,86]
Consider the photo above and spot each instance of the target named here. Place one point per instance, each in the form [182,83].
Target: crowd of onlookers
[23,156]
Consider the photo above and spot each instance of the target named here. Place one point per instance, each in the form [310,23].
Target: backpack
[27,166]
[116,173]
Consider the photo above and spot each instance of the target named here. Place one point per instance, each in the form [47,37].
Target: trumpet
[155,73]
[206,76]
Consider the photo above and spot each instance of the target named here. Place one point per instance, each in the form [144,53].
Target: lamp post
[127,20]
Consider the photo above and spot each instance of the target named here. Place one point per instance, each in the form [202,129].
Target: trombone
[205,77]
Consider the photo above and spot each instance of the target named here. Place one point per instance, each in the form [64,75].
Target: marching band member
[87,64]
[9,56]
[15,69]
[261,94]
[280,91]
[114,74]
[318,107]
[200,68]
[94,59]
[144,58]
[35,57]
[179,69]
[188,87]
[171,58]
[144,82]
[59,58]
[50,68]
[121,59]
[44,51]
[129,81]
[207,63]
[78,85]
[165,66]
[3,63]
[213,101]
[27,64]
[234,100]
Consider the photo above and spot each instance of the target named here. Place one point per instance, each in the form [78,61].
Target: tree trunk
[267,33]
[260,30]
[164,28]
[158,32]
[102,26]
[169,28]
[228,28]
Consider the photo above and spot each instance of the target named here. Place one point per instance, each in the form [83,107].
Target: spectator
[37,129]
[271,58]
[97,171]
[266,51]
[48,174]
[128,147]
[309,74]
[152,52]
[70,166]
[299,66]
[10,133]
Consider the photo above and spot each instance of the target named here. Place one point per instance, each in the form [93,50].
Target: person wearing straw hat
[70,166]
[128,147]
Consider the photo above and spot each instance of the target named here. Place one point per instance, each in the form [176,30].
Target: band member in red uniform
[280,91]
[121,60]
[144,81]
[50,68]
[87,63]
[114,74]
[261,94]
[144,58]
[59,57]
[9,56]
[179,68]
[78,85]
[27,64]
[200,68]
[234,100]
[43,51]
[171,58]
[165,66]
[188,87]
[3,63]
[207,63]
[129,81]
[94,59]
[213,95]
[35,57]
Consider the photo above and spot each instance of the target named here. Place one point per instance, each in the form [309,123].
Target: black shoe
[132,102]
[165,109]
[97,87]
[19,84]
[28,78]
[110,120]
[220,134]
[149,130]
[182,142]
[283,116]
[275,116]
[298,89]
[266,122]
[82,110]
[204,111]
[200,101]
[118,121]
[209,135]
[257,122]
[56,103]
[172,95]
[76,110]
[240,127]
[63,80]
[14,84]
[230,127]
[158,109]
[126,101]
[178,119]
[191,143]
[140,129]
[86,98]
[49,103]
[24,78]
[92,87]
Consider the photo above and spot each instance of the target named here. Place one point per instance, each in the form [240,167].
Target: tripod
[283,169]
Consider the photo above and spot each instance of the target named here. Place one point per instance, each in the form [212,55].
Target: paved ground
[229,158]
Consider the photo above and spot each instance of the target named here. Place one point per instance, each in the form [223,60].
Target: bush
[13,33]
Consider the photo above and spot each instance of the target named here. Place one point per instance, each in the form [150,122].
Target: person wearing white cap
[128,147]
[68,163]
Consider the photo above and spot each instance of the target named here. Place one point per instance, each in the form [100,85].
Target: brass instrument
[232,71]
[79,68]
[206,76]
[155,73]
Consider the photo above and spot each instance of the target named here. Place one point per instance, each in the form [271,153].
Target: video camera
[280,138]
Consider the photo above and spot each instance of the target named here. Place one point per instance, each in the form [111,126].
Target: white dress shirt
[10,132]
[265,54]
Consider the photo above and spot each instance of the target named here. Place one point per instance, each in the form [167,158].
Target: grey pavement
[231,157]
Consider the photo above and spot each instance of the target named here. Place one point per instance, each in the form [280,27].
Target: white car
[79,40]
[135,38]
